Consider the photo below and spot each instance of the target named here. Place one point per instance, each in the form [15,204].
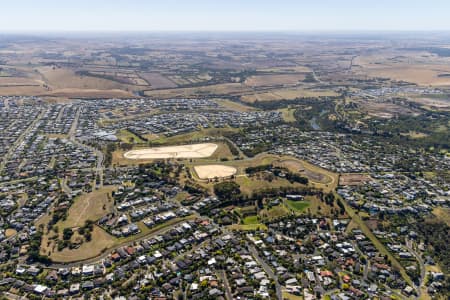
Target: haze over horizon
[232,15]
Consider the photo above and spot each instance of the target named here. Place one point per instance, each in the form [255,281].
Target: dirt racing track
[183,151]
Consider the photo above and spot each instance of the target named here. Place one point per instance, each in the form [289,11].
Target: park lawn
[297,206]
[250,220]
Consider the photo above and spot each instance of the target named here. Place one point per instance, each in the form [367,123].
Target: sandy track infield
[183,151]
[213,171]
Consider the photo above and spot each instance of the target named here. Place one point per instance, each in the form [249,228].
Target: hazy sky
[223,15]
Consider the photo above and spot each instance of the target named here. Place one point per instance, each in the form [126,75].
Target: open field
[318,177]
[433,103]
[63,78]
[91,206]
[214,171]
[288,114]
[405,66]
[225,89]
[185,151]
[158,81]
[442,214]
[235,106]
[298,166]
[275,80]
[274,212]
[191,136]
[100,241]
[286,94]
[385,110]
[249,185]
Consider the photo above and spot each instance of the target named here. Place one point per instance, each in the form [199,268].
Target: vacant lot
[353,179]
[184,151]
[213,171]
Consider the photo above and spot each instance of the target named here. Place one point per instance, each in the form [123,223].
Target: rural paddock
[183,151]
[213,171]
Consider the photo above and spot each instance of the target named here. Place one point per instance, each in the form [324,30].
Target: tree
[67,234]
[227,190]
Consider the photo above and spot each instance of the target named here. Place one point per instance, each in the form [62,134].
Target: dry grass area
[275,80]
[183,151]
[288,114]
[91,206]
[216,89]
[157,81]
[290,69]
[274,212]
[10,232]
[214,171]
[442,214]
[249,185]
[440,104]
[385,110]
[353,179]
[235,106]
[63,78]
[317,176]
[100,242]
[286,94]
[405,66]
[415,134]
[87,93]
